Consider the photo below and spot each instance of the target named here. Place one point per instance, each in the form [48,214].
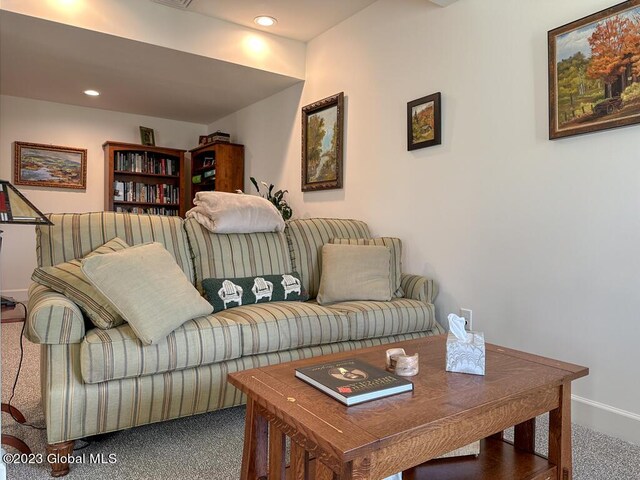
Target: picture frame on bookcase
[147,137]
[51,166]
[322,139]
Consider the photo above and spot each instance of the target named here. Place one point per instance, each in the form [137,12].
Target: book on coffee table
[352,381]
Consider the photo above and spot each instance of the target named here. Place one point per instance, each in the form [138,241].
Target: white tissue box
[466,357]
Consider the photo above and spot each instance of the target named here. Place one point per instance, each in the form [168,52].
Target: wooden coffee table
[400,433]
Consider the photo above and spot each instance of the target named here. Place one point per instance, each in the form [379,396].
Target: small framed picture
[202,139]
[49,166]
[423,122]
[147,137]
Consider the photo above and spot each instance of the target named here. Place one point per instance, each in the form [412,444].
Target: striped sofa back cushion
[306,238]
[235,255]
[73,235]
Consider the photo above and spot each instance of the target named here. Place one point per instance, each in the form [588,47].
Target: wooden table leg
[299,464]
[277,450]
[524,436]
[560,434]
[254,454]
[323,472]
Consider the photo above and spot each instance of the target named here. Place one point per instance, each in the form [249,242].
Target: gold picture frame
[322,137]
[52,166]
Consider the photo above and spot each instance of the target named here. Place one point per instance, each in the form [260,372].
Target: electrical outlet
[468,316]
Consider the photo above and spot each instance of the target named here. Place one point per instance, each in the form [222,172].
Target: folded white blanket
[221,212]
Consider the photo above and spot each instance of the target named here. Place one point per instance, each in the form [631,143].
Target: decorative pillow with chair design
[224,293]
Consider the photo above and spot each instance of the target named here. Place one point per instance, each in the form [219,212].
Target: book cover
[352,381]
[118,191]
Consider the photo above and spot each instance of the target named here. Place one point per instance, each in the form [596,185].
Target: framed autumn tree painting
[594,72]
[424,126]
[322,130]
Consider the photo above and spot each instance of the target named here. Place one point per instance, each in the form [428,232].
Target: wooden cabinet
[217,166]
[144,179]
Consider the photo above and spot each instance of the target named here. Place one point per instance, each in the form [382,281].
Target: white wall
[539,238]
[36,121]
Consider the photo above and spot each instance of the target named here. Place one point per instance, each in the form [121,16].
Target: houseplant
[276,198]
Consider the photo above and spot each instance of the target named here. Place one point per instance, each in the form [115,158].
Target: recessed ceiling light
[265,21]
[92,93]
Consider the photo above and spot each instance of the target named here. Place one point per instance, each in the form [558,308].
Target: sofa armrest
[418,287]
[53,318]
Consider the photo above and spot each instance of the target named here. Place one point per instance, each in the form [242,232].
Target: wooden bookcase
[224,162]
[151,179]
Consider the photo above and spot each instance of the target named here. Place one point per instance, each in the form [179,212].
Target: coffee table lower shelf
[498,460]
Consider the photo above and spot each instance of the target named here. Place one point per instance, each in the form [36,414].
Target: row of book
[146,163]
[146,193]
[150,210]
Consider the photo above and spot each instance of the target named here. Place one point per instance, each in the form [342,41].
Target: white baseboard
[606,419]
[21,294]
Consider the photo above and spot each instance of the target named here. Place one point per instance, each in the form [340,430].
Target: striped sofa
[96,381]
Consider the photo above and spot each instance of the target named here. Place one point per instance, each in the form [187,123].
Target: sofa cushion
[236,254]
[67,278]
[355,272]
[271,327]
[306,238]
[368,319]
[146,286]
[395,246]
[73,235]
[224,293]
[118,353]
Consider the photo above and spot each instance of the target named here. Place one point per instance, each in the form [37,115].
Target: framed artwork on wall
[594,72]
[424,128]
[322,131]
[40,165]
[147,136]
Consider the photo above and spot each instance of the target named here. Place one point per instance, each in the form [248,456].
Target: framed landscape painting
[424,128]
[322,130]
[49,166]
[594,72]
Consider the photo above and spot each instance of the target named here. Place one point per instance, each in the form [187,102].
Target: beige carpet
[209,446]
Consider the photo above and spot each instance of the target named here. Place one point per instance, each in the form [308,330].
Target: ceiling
[298,19]
[55,62]
[61,61]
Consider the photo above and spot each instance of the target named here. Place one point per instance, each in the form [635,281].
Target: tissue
[456,326]
[465,350]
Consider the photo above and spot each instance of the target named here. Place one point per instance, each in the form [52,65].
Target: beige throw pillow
[395,244]
[355,272]
[145,284]
[67,278]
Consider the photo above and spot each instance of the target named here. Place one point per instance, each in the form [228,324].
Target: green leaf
[255,184]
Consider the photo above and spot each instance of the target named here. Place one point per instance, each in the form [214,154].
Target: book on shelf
[148,163]
[118,191]
[352,381]
[209,173]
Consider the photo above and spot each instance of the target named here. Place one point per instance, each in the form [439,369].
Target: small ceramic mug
[402,364]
